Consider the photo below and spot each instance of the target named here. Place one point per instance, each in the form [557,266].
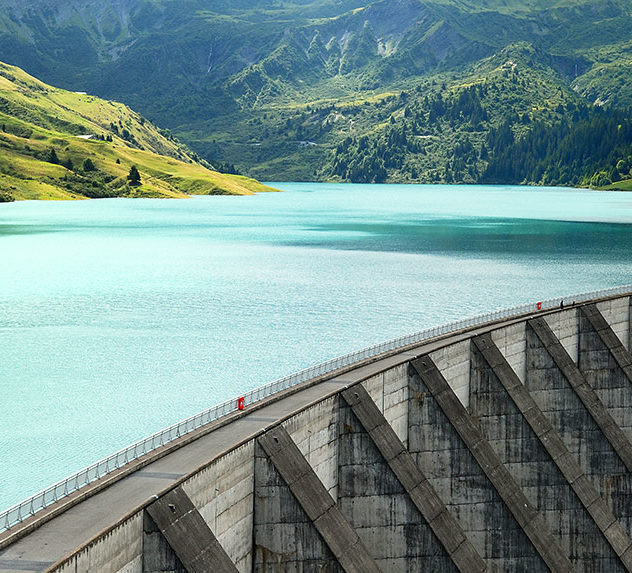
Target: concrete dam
[502,446]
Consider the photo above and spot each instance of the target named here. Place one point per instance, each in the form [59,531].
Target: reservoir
[119,317]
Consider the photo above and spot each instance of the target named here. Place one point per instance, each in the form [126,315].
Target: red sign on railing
[241,403]
[539,305]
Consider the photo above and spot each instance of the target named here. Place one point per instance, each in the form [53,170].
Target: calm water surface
[119,317]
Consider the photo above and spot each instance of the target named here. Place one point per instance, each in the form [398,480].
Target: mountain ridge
[223,75]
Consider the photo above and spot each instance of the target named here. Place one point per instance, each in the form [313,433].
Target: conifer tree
[134,176]
[88,165]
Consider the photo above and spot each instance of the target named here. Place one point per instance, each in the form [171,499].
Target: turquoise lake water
[119,317]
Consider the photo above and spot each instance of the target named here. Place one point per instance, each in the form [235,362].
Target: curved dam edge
[116,526]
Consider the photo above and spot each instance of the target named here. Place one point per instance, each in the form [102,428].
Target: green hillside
[318,89]
[56,144]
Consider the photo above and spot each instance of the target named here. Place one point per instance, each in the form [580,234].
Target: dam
[503,443]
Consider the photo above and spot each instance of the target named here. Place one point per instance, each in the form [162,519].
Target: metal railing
[18,513]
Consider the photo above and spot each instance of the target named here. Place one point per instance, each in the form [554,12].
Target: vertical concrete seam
[587,395]
[410,476]
[316,501]
[630,323]
[589,497]
[508,489]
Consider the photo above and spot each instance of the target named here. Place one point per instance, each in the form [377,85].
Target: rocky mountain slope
[279,88]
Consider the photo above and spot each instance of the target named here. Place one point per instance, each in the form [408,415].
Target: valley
[347,90]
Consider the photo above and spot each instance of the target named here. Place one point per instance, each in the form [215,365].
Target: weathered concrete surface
[379,509]
[461,483]
[616,312]
[512,342]
[315,432]
[608,337]
[549,475]
[529,521]
[316,504]
[524,450]
[119,552]
[551,369]
[188,534]
[454,364]
[158,556]
[284,536]
[565,328]
[421,493]
[604,374]
[223,493]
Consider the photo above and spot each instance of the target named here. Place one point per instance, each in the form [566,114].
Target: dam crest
[505,445]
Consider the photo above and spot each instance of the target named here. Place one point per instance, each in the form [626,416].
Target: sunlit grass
[37,118]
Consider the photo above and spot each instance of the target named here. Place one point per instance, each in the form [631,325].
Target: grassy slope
[36,118]
[620,186]
[237,77]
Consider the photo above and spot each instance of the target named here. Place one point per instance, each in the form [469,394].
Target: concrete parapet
[119,551]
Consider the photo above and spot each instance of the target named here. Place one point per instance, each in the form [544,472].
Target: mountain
[56,144]
[289,89]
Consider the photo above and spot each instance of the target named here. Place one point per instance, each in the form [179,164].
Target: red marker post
[241,403]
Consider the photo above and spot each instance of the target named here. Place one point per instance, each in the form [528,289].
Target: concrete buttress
[297,523]
[548,552]
[188,535]
[526,441]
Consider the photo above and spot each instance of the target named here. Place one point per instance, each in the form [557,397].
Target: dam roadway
[505,446]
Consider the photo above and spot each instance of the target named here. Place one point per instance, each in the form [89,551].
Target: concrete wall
[523,454]
[605,376]
[565,326]
[460,481]
[379,509]
[579,431]
[256,516]
[118,551]
[285,538]
[315,432]
[512,342]
[617,314]
[454,363]
[224,495]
